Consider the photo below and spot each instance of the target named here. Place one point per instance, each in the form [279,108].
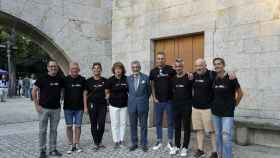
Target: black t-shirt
[73,93]
[50,91]
[163,82]
[118,90]
[224,96]
[182,93]
[202,89]
[96,91]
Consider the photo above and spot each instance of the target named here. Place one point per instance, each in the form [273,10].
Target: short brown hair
[160,53]
[220,59]
[118,65]
[96,64]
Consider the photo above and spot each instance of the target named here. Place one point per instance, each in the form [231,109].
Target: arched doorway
[46,43]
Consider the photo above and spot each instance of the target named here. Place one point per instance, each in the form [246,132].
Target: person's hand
[155,100]
[190,75]
[232,75]
[39,108]
[85,110]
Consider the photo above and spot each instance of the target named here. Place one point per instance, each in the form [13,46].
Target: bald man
[74,87]
[201,113]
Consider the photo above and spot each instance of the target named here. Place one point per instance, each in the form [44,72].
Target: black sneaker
[199,154]
[117,145]
[74,148]
[78,148]
[133,147]
[121,144]
[145,148]
[214,155]
[101,146]
[95,147]
[43,154]
[71,149]
[55,153]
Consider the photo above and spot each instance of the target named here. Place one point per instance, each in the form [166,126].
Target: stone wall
[244,32]
[81,29]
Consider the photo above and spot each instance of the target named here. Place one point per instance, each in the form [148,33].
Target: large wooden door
[189,48]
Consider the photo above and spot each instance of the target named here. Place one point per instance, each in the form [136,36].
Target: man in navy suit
[138,105]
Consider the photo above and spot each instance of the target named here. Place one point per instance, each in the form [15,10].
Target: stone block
[242,136]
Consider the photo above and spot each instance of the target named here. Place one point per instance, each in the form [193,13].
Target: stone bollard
[242,136]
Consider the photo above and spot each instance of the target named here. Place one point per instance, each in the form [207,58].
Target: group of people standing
[25,85]
[205,98]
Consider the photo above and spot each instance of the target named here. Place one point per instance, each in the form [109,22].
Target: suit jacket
[138,100]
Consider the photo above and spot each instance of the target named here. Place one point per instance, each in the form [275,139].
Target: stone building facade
[244,32]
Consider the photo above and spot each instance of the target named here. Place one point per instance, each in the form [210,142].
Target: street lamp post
[11,69]
[11,51]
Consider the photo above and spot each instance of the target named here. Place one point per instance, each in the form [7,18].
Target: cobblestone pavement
[17,110]
[19,138]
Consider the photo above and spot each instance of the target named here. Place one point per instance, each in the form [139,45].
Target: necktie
[136,82]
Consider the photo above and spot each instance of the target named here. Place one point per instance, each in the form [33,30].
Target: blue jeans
[26,92]
[224,133]
[143,119]
[73,117]
[160,108]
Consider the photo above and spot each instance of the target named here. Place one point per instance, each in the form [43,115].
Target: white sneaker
[157,146]
[78,148]
[169,146]
[70,150]
[184,152]
[174,151]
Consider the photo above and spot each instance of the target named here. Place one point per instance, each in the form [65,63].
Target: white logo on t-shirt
[219,86]
[76,85]
[98,85]
[180,86]
[200,81]
[54,84]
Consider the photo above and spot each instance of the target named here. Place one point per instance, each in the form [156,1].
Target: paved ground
[19,138]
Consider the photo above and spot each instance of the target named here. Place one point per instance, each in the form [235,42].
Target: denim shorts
[73,117]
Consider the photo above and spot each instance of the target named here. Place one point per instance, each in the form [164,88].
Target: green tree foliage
[30,58]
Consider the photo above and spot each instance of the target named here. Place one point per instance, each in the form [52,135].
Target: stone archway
[47,44]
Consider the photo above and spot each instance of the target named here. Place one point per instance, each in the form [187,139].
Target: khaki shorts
[201,120]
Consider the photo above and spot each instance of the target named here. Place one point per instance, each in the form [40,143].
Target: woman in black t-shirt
[227,95]
[117,95]
[96,104]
